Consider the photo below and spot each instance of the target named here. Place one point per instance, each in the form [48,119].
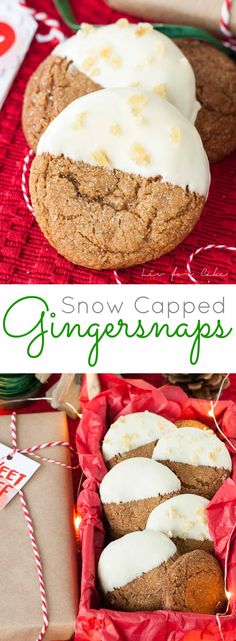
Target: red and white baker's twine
[230,40]
[190,260]
[203,249]
[24,181]
[225,18]
[31,450]
[55,31]
[118,281]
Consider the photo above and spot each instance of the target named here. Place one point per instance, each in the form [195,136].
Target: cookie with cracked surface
[138,584]
[120,178]
[215,74]
[131,490]
[53,86]
[198,457]
[195,583]
[116,55]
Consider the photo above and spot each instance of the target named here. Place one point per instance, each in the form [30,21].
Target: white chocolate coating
[193,446]
[130,556]
[134,131]
[137,478]
[133,55]
[182,516]
[134,430]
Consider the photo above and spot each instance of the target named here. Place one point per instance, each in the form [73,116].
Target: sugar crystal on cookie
[105,52]
[139,155]
[122,22]
[115,129]
[86,28]
[160,49]
[101,157]
[80,120]
[175,135]
[143,28]
[138,99]
[160,90]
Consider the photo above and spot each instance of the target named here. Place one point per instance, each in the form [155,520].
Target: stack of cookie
[121,174]
[155,495]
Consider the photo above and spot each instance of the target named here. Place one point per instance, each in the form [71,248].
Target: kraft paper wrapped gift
[49,497]
[198,13]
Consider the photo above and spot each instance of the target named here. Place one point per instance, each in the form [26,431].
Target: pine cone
[204,386]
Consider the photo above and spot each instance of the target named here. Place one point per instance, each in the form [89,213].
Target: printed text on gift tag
[15,471]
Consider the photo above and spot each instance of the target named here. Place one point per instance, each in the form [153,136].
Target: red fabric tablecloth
[26,256]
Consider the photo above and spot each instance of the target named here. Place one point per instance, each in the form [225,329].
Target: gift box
[49,497]
[199,14]
[96,623]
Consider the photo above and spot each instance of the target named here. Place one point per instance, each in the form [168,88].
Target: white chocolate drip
[134,430]
[133,55]
[183,516]
[195,447]
[150,137]
[137,478]
[132,555]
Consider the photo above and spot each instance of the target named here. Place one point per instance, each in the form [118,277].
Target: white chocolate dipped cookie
[198,457]
[132,489]
[133,174]
[132,570]
[134,435]
[116,55]
[183,518]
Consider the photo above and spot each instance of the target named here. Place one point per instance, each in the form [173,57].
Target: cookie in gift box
[142,571]
[195,583]
[116,55]
[183,518]
[132,489]
[132,569]
[198,457]
[134,435]
[120,177]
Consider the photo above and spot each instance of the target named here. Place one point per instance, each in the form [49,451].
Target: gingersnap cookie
[215,74]
[132,489]
[199,459]
[191,423]
[131,570]
[195,583]
[134,435]
[116,55]
[183,518]
[120,177]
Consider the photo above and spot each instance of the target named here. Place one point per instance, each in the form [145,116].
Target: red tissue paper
[95,623]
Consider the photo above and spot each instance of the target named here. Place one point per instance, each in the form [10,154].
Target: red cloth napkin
[26,256]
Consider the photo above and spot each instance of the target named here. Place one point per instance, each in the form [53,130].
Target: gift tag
[15,471]
[17,28]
